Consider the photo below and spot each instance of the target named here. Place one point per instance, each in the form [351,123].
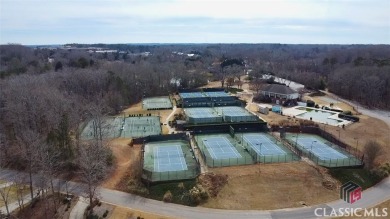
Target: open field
[272,186]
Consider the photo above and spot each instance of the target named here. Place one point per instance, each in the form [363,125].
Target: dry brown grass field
[127,213]
[272,186]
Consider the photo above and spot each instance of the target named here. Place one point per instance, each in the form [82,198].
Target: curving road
[375,113]
[370,197]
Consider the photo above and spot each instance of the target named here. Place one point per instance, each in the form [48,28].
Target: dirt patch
[213,183]
[126,161]
[212,84]
[127,213]
[272,186]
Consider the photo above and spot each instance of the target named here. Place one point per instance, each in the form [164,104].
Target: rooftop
[279,89]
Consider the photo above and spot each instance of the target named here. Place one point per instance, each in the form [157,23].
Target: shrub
[168,196]
[105,213]
[310,103]
[198,194]
[347,112]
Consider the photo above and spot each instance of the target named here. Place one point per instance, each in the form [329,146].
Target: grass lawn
[234,90]
[12,195]
[271,186]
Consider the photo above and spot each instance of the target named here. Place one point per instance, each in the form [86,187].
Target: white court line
[269,143]
[232,147]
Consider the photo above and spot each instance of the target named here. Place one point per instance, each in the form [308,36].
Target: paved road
[370,197]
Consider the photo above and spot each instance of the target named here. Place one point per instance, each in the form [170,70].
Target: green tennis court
[169,160]
[135,127]
[106,128]
[220,150]
[265,148]
[155,103]
[321,151]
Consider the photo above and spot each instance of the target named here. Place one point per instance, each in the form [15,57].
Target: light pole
[357,142]
[311,148]
[339,133]
[260,150]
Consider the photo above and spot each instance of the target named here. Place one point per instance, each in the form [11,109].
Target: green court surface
[265,148]
[220,150]
[169,160]
[321,151]
[153,103]
[106,128]
[135,127]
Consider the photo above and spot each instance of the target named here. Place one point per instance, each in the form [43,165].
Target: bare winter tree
[49,163]
[92,160]
[4,195]
[29,142]
[371,150]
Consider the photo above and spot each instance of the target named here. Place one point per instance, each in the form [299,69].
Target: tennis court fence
[147,160]
[152,176]
[245,158]
[288,157]
[351,160]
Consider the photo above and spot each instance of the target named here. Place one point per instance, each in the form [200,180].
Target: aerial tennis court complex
[141,126]
[156,103]
[169,160]
[322,152]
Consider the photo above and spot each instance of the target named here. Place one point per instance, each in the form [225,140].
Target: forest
[47,92]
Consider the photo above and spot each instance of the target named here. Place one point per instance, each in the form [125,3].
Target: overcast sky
[35,22]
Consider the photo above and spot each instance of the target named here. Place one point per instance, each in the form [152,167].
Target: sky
[42,22]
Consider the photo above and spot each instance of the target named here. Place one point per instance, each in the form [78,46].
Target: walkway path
[79,209]
[197,152]
[170,129]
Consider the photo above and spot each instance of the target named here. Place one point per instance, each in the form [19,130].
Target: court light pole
[339,133]
[357,142]
[311,148]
